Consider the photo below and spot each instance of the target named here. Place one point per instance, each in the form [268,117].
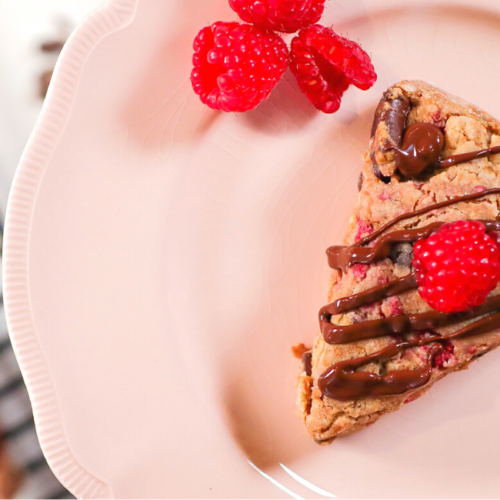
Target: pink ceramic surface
[161,259]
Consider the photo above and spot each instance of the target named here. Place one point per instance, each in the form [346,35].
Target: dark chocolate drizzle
[341,257]
[474,155]
[341,381]
[375,294]
[420,149]
[399,325]
[422,211]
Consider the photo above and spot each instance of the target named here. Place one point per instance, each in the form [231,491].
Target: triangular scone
[384,195]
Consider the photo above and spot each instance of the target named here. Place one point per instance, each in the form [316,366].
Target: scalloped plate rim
[111,16]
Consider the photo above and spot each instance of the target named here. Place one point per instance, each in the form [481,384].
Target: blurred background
[32,34]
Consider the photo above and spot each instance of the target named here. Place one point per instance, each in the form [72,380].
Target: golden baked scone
[384,195]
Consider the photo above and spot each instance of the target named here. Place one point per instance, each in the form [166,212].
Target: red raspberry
[359,270]
[364,229]
[325,64]
[457,267]
[236,65]
[446,356]
[279,15]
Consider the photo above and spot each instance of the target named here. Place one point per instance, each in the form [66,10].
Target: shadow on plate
[259,371]
[285,109]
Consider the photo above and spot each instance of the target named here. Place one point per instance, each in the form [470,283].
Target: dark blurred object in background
[45,78]
[52,47]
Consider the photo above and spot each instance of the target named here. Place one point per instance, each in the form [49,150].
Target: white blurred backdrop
[24,25]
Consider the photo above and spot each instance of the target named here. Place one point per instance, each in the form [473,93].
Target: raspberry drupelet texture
[288,16]
[325,64]
[236,65]
[457,267]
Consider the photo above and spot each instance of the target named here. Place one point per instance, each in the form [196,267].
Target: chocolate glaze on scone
[385,194]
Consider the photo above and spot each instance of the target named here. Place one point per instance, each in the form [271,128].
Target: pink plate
[161,259]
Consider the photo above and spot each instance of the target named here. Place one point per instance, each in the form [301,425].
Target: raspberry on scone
[427,301]
[457,267]
[236,66]
[287,16]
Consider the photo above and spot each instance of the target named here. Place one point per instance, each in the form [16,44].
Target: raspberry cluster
[458,266]
[236,65]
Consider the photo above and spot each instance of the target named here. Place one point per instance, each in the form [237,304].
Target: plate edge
[112,16]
